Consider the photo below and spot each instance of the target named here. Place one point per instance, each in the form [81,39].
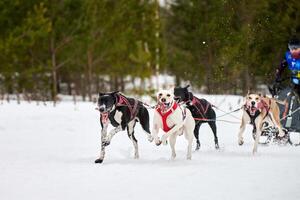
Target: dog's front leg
[171,132]
[154,131]
[172,145]
[242,129]
[112,133]
[103,144]
[258,124]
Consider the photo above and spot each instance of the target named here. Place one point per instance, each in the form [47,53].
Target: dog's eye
[249,98]
[256,98]
[168,95]
[160,94]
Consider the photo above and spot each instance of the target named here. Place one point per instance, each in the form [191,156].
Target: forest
[81,47]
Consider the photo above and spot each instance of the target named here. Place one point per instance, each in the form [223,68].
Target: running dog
[201,110]
[174,120]
[256,110]
[121,112]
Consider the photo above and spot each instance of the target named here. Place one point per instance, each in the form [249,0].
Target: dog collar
[165,115]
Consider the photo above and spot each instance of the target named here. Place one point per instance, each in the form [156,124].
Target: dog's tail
[143,116]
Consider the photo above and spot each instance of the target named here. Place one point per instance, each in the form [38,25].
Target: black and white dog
[121,112]
[201,110]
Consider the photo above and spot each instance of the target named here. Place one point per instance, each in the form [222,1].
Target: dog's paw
[180,133]
[254,151]
[105,143]
[241,142]
[150,138]
[281,135]
[99,160]
[197,147]
[158,142]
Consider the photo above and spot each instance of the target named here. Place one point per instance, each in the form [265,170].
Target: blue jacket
[294,66]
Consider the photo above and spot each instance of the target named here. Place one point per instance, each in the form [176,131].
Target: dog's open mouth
[166,105]
[253,109]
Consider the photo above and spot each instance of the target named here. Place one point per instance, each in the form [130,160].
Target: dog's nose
[101,109]
[253,103]
[163,99]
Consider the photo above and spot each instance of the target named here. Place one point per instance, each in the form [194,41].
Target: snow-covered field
[48,153]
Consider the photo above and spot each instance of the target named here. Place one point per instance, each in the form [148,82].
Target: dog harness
[165,115]
[196,102]
[199,106]
[104,117]
[261,105]
[123,101]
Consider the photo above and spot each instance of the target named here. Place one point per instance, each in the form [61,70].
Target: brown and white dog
[174,120]
[258,109]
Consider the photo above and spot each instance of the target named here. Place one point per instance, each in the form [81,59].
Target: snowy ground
[48,153]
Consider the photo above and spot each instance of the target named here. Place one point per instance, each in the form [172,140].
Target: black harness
[257,112]
[252,117]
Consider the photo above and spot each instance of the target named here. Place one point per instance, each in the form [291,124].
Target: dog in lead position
[122,113]
[174,120]
[201,110]
[256,110]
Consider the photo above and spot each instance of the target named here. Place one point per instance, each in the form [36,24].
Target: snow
[48,153]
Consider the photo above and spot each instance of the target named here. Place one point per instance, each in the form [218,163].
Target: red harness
[262,105]
[165,115]
[132,108]
[195,101]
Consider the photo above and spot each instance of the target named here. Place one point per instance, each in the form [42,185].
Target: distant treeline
[86,46]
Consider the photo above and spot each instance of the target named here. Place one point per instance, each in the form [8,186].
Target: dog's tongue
[164,106]
[252,110]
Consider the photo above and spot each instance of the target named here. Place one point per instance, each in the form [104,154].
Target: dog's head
[107,101]
[253,102]
[165,98]
[181,93]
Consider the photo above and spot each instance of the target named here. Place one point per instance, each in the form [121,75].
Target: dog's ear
[248,93]
[186,87]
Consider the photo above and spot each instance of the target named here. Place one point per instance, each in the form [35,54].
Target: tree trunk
[89,73]
[208,70]
[54,72]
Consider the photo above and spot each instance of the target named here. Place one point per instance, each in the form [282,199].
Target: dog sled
[290,114]
[289,118]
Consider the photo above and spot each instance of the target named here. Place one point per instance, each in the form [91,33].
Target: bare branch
[62,64]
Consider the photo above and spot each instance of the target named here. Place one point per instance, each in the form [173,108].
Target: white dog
[174,120]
